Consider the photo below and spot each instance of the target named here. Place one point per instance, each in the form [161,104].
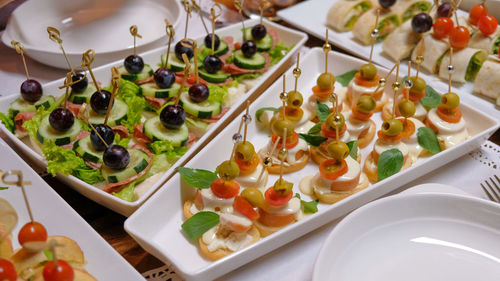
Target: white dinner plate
[161,234]
[90,24]
[427,236]
[48,208]
[310,16]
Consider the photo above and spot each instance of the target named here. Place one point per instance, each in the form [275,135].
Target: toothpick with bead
[68,82]
[169,29]
[326,49]
[247,118]
[408,82]
[135,33]
[188,10]
[374,34]
[395,87]
[87,59]
[239,7]
[297,72]
[20,50]
[115,82]
[283,153]
[451,70]
[284,97]
[214,17]
[263,6]
[20,183]
[419,60]
[198,8]
[55,36]
[184,78]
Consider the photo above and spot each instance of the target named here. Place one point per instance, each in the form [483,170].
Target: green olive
[392,127]
[244,151]
[294,99]
[368,71]
[325,81]
[406,108]
[338,150]
[280,125]
[366,104]
[228,170]
[450,100]
[282,187]
[418,84]
[335,120]
[254,196]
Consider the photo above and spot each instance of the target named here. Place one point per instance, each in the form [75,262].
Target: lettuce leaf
[123,142]
[220,94]
[130,93]
[278,52]
[31,126]
[247,76]
[474,65]
[127,193]
[7,122]
[160,164]
[172,154]
[88,175]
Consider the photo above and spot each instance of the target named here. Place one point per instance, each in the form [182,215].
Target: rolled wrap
[487,82]
[461,60]
[365,24]
[432,49]
[400,42]
[484,42]
[340,13]
[402,6]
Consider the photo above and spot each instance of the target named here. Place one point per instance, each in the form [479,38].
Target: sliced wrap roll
[488,43]
[467,63]
[343,14]
[400,42]
[407,9]
[487,82]
[433,51]
[388,21]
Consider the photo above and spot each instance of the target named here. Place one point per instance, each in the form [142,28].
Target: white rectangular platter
[288,36]
[48,208]
[310,16]
[156,226]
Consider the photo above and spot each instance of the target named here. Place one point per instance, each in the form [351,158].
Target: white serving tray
[310,16]
[101,25]
[288,36]
[103,262]
[161,234]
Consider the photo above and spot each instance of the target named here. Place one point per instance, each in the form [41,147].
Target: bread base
[371,172]
[220,253]
[318,157]
[266,230]
[330,198]
[275,168]
[187,209]
[365,140]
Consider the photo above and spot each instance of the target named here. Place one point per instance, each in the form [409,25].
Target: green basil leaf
[389,163]
[260,111]
[312,139]
[196,177]
[315,129]
[431,98]
[201,222]
[4,187]
[345,78]
[310,207]
[404,79]
[322,110]
[48,254]
[353,149]
[428,140]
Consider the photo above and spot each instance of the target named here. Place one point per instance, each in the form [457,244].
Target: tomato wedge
[242,206]
[408,127]
[248,166]
[225,189]
[291,141]
[293,114]
[366,83]
[331,169]
[356,114]
[449,115]
[332,134]
[322,94]
[276,199]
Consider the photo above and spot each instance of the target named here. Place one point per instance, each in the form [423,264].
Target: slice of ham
[22,117]
[144,81]
[274,34]
[74,108]
[156,102]
[116,187]
[121,130]
[214,119]
[94,166]
[80,136]
[192,138]
[229,41]
[235,70]
[139,135]
[192,80]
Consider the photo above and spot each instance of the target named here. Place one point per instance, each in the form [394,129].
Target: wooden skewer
[87,59]
[188,9]
[193,47]
[247,113]
[20,50]
[214,19]
[238,6]
[374,38]
[395,91]
[20,183]
[55,36]
[284,149]
[326,48]
[115,81]
[169,29]
[450,73]
[68,82]
[407,96]
[297,72]
[284,100]
[134,32]
[197,7]
[264,5]
[186,74]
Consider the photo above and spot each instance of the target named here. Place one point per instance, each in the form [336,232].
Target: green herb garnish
[261,111]
[428,140]
[353,149]
[389,163]
[322,110]
[345,78]
[313,140]
[199,223]
[310,207]
[197,178]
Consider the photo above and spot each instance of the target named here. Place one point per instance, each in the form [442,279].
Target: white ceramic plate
[414,237]
[103,262]
[310,16]
[85,24]
[288,36]
[161,235]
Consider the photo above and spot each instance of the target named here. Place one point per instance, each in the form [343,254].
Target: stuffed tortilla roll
[407,9]
[433,51]
[467,63]
[343,14]
[488,43]
[400,42]
[388,21]
[487,82]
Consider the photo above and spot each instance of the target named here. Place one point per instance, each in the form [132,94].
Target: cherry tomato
[442,27]
[7,271]
[32,232]
[275,199]
[242,206]
[476,12]
[62,272]
[225,189]
[459,37]
[487,24]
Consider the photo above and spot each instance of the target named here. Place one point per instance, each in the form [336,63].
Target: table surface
[107,223]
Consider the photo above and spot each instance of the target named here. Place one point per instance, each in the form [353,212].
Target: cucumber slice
[46,132]
[204,110]
[151,90]
[223,49]
[117,115]
[218,77]
[21,105]
[145,73]
[138,162]
[83,97]
[85,149]
[154,129]
[258,61]
[264,44]
[174,63]
[197,127]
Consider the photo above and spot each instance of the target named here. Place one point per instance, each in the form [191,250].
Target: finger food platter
[247,88]
[85,249]
[164,237]
[314,21]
